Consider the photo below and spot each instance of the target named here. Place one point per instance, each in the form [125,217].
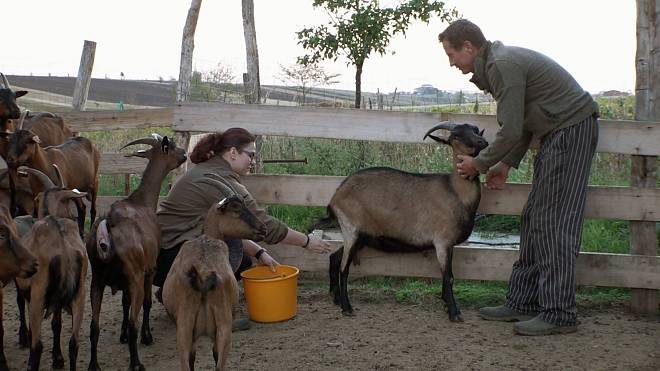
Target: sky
[594,40]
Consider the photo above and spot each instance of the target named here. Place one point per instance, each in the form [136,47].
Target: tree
[305,77]
[252,85]
[220,75]
[360,27]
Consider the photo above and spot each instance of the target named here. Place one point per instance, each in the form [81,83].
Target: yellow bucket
[271,296]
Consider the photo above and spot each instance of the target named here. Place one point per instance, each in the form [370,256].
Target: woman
[221,158]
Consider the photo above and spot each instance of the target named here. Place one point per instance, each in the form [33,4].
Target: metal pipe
[285,161]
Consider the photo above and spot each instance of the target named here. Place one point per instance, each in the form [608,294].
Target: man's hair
[460,31]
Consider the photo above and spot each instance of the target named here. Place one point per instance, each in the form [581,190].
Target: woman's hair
[460,31]
[220,143]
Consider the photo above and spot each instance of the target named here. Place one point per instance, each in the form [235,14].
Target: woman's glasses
[250,154]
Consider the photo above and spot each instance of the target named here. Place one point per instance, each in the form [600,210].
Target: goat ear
[165,144]
[20,93]
[481,134]
[36,139]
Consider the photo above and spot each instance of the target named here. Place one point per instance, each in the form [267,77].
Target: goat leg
[81,209]
[77,312]
[56,326]
[335,267]
[136,292]
[23,338]
[222,346]
[35,309]
[3,360]
[96,297]
[126,305]
[448,290]
[145,335]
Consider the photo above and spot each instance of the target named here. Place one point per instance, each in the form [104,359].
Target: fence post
[644,169]
[84,78]
[182,139]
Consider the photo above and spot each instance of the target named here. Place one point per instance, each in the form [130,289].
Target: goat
[8,107]
[60,280]
[77,158]
[200,290]
[127,261]
[373,210]
[15,261]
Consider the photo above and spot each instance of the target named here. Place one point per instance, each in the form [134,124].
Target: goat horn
[5,81]
[157,136]
[60,179]
[151,141]
[441,125]
[45,180]
[22,119]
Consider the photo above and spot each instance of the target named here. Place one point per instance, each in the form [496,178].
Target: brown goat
[77,158]
[60,279]
[15,261]
[200,290]
[396,211]
[8,108]
[128,262]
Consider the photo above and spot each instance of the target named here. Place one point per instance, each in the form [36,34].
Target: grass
[426,292]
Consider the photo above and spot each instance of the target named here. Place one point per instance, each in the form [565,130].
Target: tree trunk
[251,52]
[252,55]
[643,238]
[358,84]
[187,46]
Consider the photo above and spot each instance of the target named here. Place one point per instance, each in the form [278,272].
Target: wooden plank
[117,120]
[475,263]
[118,163]
[628,137]
[637,204]
[602,202]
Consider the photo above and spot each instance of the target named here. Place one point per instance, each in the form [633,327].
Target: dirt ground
[382,336]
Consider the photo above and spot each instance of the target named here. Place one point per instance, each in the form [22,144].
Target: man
[535,98]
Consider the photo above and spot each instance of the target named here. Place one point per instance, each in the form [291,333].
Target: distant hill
[136,92]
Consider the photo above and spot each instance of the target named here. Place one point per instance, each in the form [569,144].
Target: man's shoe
[241,324]
[504,314]
[536,327]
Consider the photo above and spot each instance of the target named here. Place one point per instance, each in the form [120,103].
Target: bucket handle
[268,278]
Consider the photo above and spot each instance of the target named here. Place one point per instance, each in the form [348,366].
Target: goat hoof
[123,338]
[456,318]
[58,363]
[23,340]
[93,367]
[3,364]
[348,313]
[137,367]
[147,339]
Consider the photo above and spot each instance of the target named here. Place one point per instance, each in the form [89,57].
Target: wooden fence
[635,204]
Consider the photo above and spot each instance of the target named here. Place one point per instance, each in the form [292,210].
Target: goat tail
[327,222]
[63,283]
[201,283]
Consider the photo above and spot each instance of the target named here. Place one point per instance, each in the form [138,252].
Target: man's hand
[466,168]
[497,175]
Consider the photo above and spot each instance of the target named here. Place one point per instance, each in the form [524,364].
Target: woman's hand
[268,260]
[318,245]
